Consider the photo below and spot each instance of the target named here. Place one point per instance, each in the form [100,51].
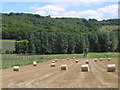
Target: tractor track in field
[45,76]
[110,79]
[103,65]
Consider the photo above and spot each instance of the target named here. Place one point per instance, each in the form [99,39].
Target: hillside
[16,23]
[109,28]
[7,45]
[60,35]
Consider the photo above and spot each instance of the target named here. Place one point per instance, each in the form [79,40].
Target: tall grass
[8,44]
[9,60]
[103,55]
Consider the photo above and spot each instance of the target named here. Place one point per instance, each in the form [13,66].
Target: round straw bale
[84,67]
[16,68]
[34,63]
[68,58]
[101,59]
[111,67]
[76,61]
[73,57]
[87,61]
[56,60]
[95,60]
[109,59]
[53,61]
[64,67]
[52,64]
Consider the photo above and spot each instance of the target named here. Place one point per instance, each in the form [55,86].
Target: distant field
[103,55]
[8,44]
[108,28]
[9,60]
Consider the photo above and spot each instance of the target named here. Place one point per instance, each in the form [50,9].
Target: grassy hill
[109,28]
[19,24]
[8,45]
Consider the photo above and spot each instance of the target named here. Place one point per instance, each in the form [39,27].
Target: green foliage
[61,43]
[21,46]
[8,52]
[46,35]
[93,41]
[103,55]
[9,60]
[109,28]
[31,46]
[71,43]
[80,43]
[104,40]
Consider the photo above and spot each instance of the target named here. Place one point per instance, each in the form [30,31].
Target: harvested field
[45,76]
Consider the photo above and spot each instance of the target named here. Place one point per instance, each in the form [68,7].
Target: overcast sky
[98,9]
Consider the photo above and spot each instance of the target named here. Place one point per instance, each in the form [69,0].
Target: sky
[97,9]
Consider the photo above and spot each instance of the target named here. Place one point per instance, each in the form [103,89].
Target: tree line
[45,35]
[66,42]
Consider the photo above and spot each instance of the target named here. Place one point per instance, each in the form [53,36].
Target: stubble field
[45,76]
